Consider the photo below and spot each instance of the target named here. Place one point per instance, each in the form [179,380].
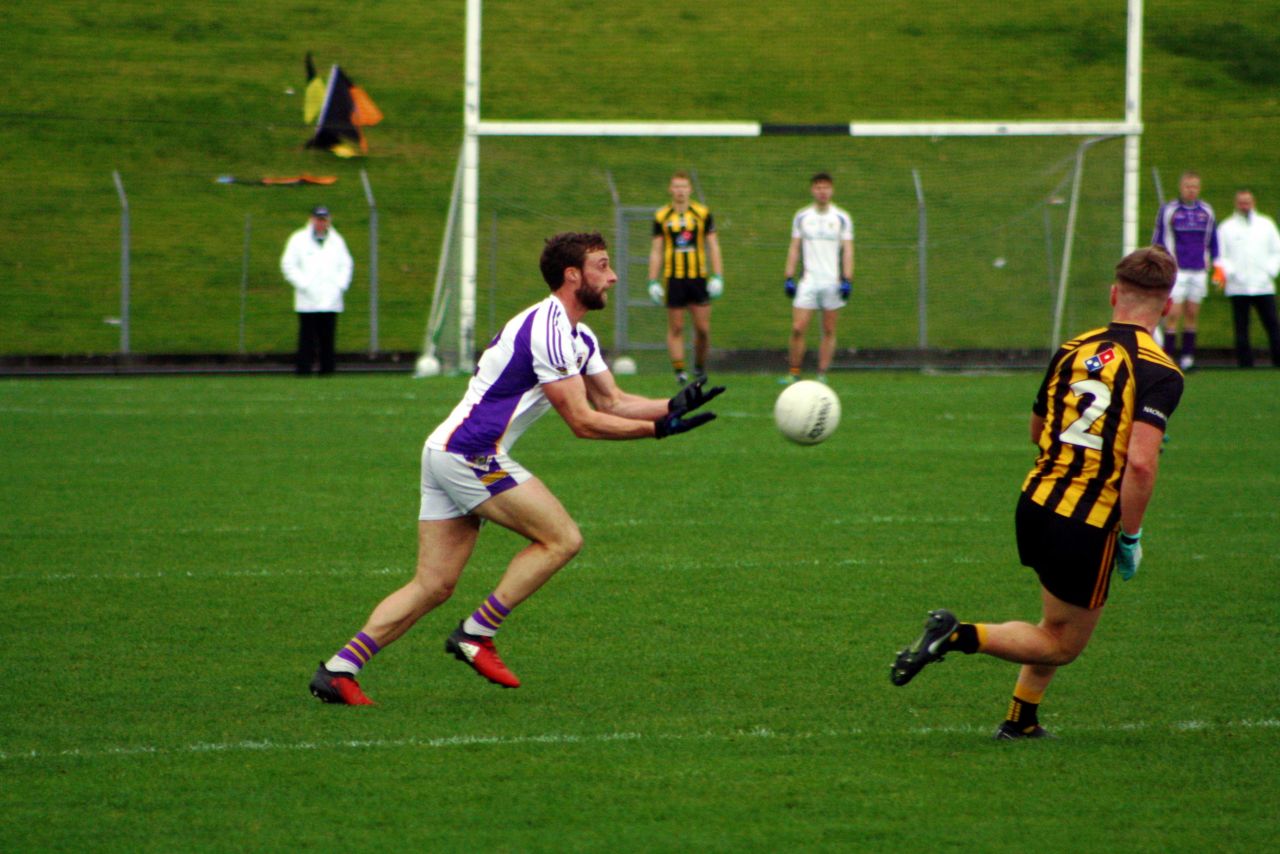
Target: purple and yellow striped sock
[487,619]
[354,655]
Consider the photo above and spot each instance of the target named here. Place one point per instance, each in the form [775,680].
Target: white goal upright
[451,329]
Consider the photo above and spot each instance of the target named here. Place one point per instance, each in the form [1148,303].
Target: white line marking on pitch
[230,573]
[252,746]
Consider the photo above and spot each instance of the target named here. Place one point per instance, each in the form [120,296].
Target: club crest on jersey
[1097,362]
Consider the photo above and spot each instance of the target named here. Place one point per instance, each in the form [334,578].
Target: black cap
[320,211]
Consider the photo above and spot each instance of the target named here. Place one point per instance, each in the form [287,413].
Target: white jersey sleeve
[551,343]
[796,230]
[846,223]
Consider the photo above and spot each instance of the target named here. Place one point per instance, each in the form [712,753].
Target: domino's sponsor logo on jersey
[1096,363]
[684,241]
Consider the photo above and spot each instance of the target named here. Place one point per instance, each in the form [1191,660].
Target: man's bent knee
[568,543]
[1064,650]
[1063,656]
[564,543]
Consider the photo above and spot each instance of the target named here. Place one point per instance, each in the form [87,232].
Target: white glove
[715,286]
[655,291]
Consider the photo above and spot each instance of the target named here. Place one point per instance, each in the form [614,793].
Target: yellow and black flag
[313,96]
[343,109]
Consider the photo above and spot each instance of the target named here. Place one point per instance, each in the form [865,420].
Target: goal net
[959,242]
[971,234]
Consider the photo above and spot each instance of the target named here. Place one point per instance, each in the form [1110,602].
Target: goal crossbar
[493,127]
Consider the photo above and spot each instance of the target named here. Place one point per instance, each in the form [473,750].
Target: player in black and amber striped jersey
[685,257]
[1086,411]
[1099,421]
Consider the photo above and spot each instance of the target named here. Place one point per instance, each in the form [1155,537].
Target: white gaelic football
[807,412]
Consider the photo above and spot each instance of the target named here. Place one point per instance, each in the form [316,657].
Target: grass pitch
[711,672]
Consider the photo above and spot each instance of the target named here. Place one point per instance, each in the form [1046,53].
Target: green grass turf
[711,671]
[173,97]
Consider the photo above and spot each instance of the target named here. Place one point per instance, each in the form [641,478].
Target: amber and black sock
[1024,709]
[967,638]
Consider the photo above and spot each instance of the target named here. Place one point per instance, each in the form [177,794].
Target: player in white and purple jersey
[821,236]
[1187,228]
[543,358]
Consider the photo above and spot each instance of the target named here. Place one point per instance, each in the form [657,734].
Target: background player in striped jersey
[1098,421]
[1187,228]
[544,357]
[821,234]
[685,257]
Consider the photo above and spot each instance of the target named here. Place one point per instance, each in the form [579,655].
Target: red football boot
[479,652]
[341,688]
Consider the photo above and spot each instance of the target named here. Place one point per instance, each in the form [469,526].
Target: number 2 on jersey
[1077,432]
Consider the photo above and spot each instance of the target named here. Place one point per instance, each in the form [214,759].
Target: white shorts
[453,485]
[811,296]
[1190,286]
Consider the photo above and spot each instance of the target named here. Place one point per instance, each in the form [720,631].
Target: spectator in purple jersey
[543,358]
[1187,228]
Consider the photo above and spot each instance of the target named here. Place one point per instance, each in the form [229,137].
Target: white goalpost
[463,220]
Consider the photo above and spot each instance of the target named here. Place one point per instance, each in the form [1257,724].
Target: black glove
[676,422]
[692,396]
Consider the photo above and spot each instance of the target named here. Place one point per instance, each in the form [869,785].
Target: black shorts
[686,292]
[1073,560]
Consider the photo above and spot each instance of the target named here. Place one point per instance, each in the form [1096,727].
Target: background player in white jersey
[1186,227]
[823,234]
[543,358]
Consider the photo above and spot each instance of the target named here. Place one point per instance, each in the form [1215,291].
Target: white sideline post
[125,275]
[922,253]
[373,263]
[244,279]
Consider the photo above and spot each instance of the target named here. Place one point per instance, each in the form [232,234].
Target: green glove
[655,291]
[1128,554]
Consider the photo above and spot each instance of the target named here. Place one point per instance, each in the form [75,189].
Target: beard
[594,300]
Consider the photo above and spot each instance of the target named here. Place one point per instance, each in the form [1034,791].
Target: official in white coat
[316,262]
[1249,247]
